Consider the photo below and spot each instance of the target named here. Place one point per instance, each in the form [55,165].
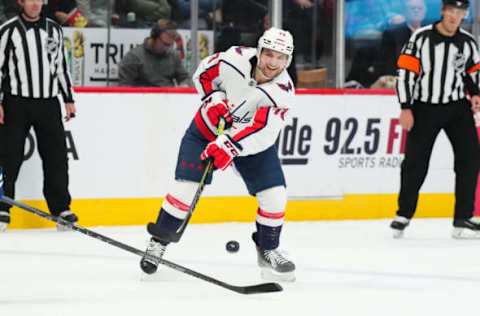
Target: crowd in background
[240,22]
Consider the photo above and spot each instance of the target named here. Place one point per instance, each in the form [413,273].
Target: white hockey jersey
[258,110]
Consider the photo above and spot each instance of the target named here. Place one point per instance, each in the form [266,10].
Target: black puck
[232,246]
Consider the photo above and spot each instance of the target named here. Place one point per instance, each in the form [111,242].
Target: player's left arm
[256,137]
[263,131]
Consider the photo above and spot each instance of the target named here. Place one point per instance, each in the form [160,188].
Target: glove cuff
[235,143]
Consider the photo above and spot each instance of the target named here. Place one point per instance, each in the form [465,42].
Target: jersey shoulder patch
[286,86]
[280,92]
[240,49]
[235,53]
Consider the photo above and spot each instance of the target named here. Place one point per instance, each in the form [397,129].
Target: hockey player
[251,89]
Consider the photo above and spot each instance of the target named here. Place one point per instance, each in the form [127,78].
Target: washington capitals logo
[239,50]
[286,87]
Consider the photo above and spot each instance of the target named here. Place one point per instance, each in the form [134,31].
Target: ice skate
[466,228]
[274,266]
[68,216]
[153,253]
[398,226]
[4,220]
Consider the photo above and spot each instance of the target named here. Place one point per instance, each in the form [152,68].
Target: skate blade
[3,227]
[397,234]
[270,275]
[464,233]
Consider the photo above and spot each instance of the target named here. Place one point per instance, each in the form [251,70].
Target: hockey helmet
[278,40]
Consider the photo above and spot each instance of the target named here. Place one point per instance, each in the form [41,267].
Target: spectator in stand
[392,42]
[66,13]
[8,9]
[141,13]
[365,22]
[297,15]
[3,17]
[96,11]
[154,63]
[241,21]
[181,12]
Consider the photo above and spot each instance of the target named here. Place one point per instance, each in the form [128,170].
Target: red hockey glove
[214,111]
[222,150]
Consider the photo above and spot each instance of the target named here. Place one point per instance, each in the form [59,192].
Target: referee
[437,69]
[33,71]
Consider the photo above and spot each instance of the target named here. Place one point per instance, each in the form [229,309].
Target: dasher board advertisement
[126,144]
[90,57]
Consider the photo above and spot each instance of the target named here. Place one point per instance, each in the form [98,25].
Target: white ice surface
[343,268]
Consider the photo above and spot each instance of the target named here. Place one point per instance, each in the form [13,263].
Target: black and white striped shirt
[32,59]
[437,69]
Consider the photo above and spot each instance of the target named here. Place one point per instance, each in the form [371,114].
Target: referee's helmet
[462,4]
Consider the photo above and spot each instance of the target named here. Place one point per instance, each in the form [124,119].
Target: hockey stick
[201,186]
[251,289]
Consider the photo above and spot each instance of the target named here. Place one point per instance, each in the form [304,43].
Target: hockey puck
[232,246]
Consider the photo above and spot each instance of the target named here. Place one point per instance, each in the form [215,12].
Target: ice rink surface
[343,268]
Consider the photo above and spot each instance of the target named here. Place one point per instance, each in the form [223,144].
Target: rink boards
[341,155]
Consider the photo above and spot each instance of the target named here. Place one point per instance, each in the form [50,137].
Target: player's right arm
[208,81]
[207,77]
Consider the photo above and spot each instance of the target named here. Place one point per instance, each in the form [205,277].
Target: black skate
[398,225]
[4,220]
[466,228]
[153,253]
[66,216]
[275,266]
[162,234]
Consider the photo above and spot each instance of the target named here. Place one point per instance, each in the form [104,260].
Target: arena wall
[341,154]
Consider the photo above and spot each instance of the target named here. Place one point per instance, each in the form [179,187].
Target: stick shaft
[201,186]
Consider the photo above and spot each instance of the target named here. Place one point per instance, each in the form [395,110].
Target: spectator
[241,21]
[362,72]
[393,41]
[155,62]
[8,9]
[366,19]
[181,12]
[365,22]
[144,12]
[95,11]
[66,13]
[298,18]
[3,17]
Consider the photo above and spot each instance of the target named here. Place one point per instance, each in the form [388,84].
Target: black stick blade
[260,288]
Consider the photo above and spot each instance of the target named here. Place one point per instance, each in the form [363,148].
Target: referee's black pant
[456,119]
[20,114]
